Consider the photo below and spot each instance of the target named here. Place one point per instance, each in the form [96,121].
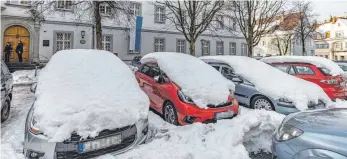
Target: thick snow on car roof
[202,83]
[314,60]
[87,91]
[273,82]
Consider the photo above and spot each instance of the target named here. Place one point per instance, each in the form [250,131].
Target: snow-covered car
[6,91]
[342,64]
[88,103]
[185,90]
[261,86]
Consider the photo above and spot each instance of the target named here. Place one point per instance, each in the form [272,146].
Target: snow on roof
[273,82]
[202,83]
[314,60]
[87,91]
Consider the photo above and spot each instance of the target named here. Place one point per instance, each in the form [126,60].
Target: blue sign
[138,33]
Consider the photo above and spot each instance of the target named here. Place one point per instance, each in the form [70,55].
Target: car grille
[69,148]
[220,105]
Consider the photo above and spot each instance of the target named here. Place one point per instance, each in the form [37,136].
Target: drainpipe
[93,34]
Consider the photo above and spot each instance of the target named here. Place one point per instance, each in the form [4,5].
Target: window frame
[103,42]
[221,48]
[159,38]
[133,10]
[105,13]
[244,49]
[65,4]
[159,20]
[55,39]
[178,45]
[230,48]
[208,47]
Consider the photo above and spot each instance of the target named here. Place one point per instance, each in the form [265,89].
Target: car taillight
[330,81]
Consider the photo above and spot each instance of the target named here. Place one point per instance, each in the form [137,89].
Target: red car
[333,86]
[167,99]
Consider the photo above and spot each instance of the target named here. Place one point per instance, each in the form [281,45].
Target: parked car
[260,86]
[136,61]
[88,103]
[312,134]
[342,64]
[6,91]
[180,88]
[318,70]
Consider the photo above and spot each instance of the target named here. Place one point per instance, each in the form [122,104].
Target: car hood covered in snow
[273,82]
[202,83]
[314,60]
[87,91]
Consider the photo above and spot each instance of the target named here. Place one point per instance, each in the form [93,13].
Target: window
[227,71]
[205,45]
[342,57]
[216,67]
[244,49]
[135,9]
[304,70]
[312,52]
[232,48]
[181,46]
[107,42]
[64,4]
[219,22]
[159,16]
[220,48]
[105,9]
[339,34]
[159,44]
[264,43]
[338,45]
[63,41]
[283,68]
[20,2]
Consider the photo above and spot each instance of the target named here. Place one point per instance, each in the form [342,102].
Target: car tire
[170,113]
[262,102]
[5,111]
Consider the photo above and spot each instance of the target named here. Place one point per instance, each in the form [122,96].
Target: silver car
[6,91]
[312,134]
[247,95]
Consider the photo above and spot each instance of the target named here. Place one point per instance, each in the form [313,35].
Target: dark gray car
[6,91]
[312,134]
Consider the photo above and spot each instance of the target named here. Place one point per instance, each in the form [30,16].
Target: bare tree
[87,11]
[305,27]
[191,17]
[282,42]
[254,18]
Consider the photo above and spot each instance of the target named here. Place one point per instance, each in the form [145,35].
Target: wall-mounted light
[83,33]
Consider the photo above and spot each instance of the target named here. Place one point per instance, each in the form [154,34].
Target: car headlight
[285,100]
[32,128]
[286,132]
[184,98]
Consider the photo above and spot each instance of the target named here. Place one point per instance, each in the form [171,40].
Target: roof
[287,21]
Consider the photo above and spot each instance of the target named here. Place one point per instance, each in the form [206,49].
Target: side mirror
[33,87]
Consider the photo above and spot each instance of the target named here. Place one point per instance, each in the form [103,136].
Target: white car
[88,103]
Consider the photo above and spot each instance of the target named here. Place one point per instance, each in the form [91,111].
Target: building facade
[281,40]
[331,39]
[63,26]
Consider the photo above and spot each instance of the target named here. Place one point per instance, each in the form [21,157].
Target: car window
[216,67]
[304,70]
[291,71]
[343,67]
[283,68]
[145,70]
[325,71]
[227,71]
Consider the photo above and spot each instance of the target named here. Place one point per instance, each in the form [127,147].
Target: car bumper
[280,149]
[287,108]
[336,94]
[40,145]
[206,115]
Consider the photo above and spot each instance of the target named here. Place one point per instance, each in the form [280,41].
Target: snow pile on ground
[87,91]
[226,139]
[24,77]
[314,60]
[273,82]
[8,152]
[199,81]
[339,104]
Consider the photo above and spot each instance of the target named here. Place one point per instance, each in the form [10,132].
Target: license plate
[99,143]
[223,115]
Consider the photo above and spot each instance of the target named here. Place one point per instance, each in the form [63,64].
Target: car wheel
[170,114]
[5,111]
[261,102]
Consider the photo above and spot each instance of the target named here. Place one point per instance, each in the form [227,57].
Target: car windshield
[343,67]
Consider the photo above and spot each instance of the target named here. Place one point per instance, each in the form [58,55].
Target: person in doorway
[8,49]
[19,50]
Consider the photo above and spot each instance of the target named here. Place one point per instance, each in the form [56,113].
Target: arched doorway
[13,34]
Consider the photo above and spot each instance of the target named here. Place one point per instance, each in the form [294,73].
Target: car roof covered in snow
[202,83]
[272,82]
[87,91]
[314,60]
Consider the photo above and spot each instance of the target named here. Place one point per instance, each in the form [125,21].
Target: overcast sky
[325,8]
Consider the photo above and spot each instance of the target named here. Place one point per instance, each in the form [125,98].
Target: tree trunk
[98,29]
[303,47]
[192,47]
[250,50]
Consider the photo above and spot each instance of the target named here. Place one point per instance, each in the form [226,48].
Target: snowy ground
[249,132]
[23,77]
